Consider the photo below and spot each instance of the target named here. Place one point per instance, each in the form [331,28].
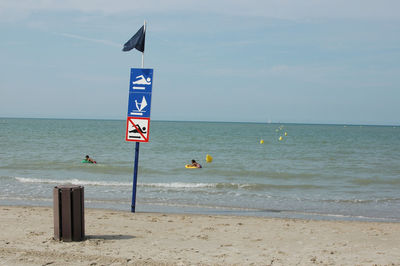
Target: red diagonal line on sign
[139,130]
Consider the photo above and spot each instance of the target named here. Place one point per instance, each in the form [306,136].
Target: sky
[282,61]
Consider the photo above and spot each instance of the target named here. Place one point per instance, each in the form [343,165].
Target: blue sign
[139,104]
[140,88]
[141,80]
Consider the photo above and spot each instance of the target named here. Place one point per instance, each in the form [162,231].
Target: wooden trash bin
[68,208]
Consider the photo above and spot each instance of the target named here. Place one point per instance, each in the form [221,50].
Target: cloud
[285,9]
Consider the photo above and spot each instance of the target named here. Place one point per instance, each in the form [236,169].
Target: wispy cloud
[83,38]
[286,9]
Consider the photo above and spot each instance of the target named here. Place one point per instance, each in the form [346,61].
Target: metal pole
[136,166]
[135,172]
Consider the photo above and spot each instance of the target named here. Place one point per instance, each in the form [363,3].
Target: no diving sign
[137,129]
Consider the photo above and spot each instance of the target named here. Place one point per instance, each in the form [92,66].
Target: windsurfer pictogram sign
[137,129]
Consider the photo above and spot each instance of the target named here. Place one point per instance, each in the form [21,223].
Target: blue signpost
[138,120]
[140,86]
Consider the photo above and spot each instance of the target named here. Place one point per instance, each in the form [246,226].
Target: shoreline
[216,210]
[125,238]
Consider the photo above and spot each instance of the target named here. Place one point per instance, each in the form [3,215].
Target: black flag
[137,41]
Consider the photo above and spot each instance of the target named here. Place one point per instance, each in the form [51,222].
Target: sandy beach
[123,238]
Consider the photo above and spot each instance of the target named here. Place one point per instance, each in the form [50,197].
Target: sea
[304,171]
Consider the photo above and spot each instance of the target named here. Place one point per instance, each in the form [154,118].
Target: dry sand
[123,238]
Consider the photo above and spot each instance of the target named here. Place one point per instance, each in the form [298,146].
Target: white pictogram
[141,80]
[140,106]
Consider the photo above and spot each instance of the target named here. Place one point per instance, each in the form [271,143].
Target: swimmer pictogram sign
[137,129]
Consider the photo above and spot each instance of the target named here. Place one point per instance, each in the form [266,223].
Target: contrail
[106,42]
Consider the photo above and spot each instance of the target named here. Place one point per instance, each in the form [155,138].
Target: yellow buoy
[262,141]
[280,138]
[285,133]
[209,158]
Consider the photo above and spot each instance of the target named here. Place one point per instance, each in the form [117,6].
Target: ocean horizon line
[209,121]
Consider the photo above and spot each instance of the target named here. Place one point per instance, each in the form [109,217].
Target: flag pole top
[144,30]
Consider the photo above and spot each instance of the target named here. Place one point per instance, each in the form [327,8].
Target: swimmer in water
[88,159]
[196,164]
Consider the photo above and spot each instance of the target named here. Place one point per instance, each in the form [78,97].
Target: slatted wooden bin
[68,207]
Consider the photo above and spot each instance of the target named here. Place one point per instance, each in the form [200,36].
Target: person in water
[88,159]
[196,164]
